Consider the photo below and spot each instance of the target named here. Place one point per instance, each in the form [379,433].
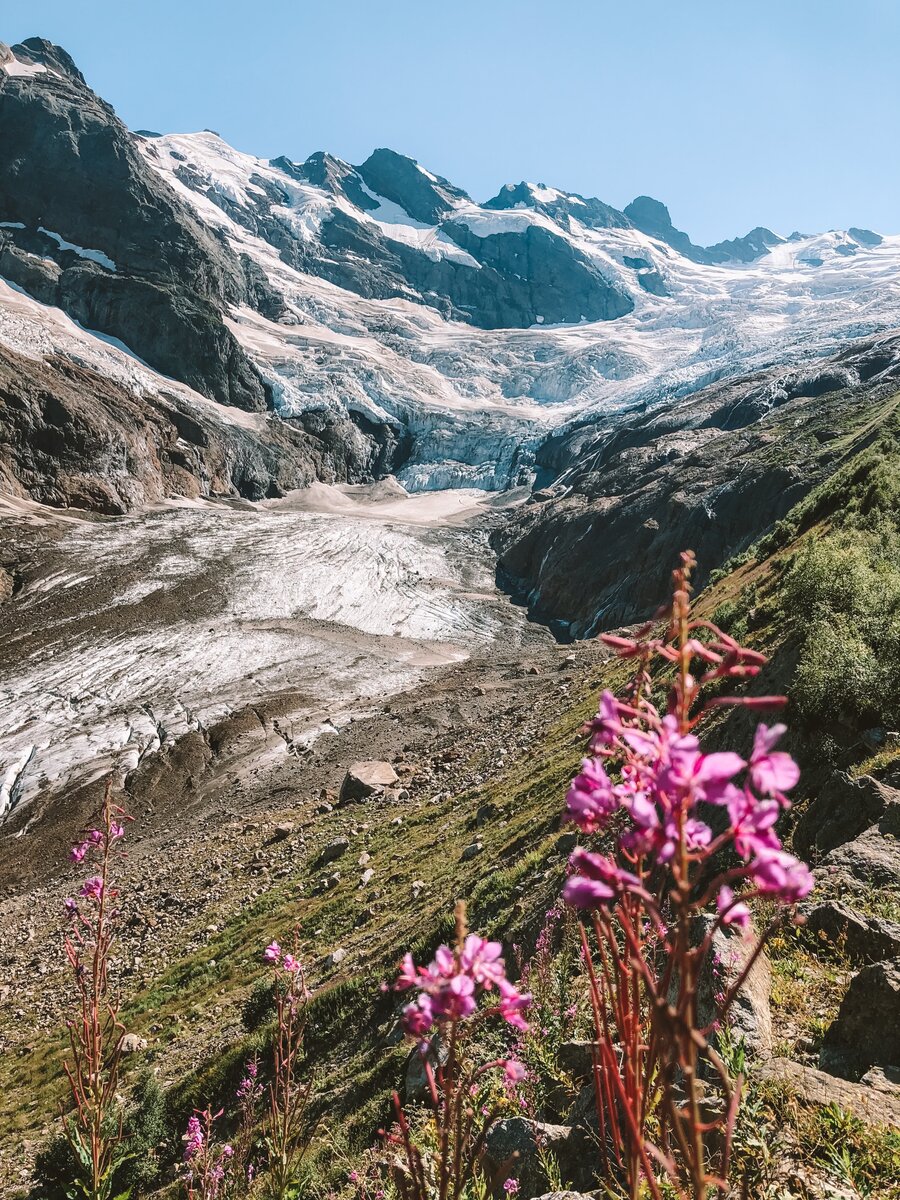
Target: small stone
[472,851]
[487,812]
[364,858]
[336,957]
[367,876]
[365,779]
[282,831]
[132,1044]
[334,849]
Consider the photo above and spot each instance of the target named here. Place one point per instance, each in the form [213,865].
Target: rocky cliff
[594,547]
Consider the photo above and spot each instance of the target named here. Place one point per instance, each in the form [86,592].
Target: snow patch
[96,256]
[23,70]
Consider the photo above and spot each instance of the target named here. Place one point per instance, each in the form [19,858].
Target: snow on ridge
[23,70]
[96,256]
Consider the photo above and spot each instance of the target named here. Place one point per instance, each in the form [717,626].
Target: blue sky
[733,112]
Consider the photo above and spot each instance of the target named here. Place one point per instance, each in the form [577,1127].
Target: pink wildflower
[272,953]
[732,912]
[510,1186]
[515,1071]
[194,1138]
[591,801]
[772,773]
[778,873]
[77,853]
[92,889]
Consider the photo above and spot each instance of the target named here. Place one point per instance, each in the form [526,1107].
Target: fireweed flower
[92,889]
[77,853]
[511,1186]
[449,988]
[597,879]
[773,774]
[515,1071]
[591,800]
[730,911]
[272,953]
[193,1137]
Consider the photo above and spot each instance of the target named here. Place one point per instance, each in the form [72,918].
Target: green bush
[843,593]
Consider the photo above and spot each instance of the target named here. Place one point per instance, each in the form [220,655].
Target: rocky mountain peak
[426,197]
[560,206]
[49,55]
[333,174]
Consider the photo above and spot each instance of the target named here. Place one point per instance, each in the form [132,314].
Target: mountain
[390,322]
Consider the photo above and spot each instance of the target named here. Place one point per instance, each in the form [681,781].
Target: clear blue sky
[734,112]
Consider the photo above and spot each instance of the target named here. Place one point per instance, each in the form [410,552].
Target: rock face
[709,472]
[873,859]
[867,1029]
[365,778]
[652,217]
[514,1146]
[89,227]
[865,939]
[70,437]
[842,809]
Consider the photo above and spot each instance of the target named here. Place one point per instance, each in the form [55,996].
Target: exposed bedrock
[594,547]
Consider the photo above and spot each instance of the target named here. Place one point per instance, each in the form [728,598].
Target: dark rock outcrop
[867,1028]
[865,939]
[145,270]
[712,471]
[652,217]
[841,810]
[72,438]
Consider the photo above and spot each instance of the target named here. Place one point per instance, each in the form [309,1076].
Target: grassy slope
[513,881]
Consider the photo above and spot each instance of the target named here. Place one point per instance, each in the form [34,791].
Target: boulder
[842,810]
[416,1088]
[365,779]
[873,858]
[334,849]
[867,939]
[866,1031]
[817,1087]
[576,1058]
[132,1043]
[514,1147]
[750,1015]
[472,851]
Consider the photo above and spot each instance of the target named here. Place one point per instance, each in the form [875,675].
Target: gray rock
[866,1031]
[513,1148]
[282,831]
[820,1088]
[472,851]
[841,810]
[868,939]
[416,1087]
[485,814]
[335,849]
[132,1043]
[873,858]
[365,779]
[576,1058]
[336,957]
[566,842]
[750,1015]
